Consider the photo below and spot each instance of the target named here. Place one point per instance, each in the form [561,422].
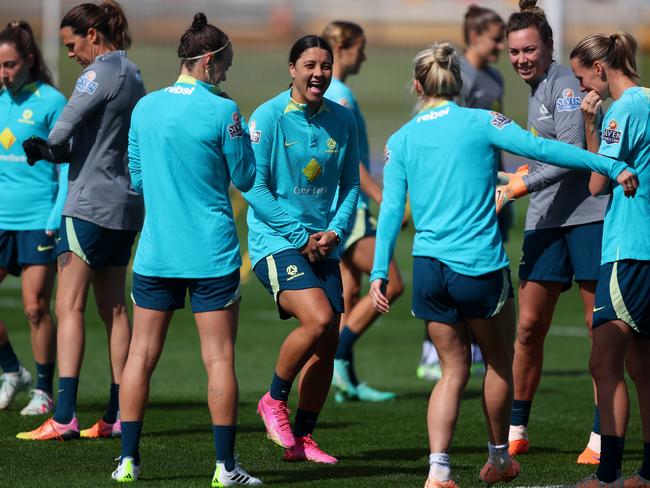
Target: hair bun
[473,9]
[200,21]
[527,5]
[443,52]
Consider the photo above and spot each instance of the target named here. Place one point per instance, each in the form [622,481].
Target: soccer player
[348,44]
[306,151]
[179,177]
[483,32]
[461,280]
[31,201]
[606,68]
[102,213]
[564,222]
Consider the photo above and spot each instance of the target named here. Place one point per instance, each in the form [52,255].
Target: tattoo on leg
[63,259]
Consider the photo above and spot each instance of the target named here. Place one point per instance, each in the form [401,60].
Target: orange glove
[511,187]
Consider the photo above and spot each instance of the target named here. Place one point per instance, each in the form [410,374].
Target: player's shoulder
[560,79]
[340,93]
[339,111]
[49,94]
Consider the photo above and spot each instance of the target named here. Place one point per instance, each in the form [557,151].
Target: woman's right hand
[590,107]
[628,181]
[311,250]
[377,294]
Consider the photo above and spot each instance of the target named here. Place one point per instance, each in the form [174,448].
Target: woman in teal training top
[306,154]
[461,280]
[183,164]
[348,45]
[31,201]
[606,68]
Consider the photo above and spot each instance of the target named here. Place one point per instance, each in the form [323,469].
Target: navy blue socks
[305,423]
[347,338]
[280,388]
[45,377]
[645,467]
[131,440]
[224,444]
[595,428]
[113,405]
[520,412]
[611,458]
[8,359]
[67,401]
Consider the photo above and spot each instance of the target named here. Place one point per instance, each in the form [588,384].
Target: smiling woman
[306,151]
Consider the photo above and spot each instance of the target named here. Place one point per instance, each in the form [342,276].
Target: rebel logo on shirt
[86,83]
[611,135]
[568,102]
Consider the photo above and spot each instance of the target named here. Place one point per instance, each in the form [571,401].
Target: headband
[211,52]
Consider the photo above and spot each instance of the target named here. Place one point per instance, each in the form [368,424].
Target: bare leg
[314,312]
[316,376]
[149,332]
[452,343]
[71,296]
[638,367]
[495,337]
[37,285]
[108,284]
[537,302]
[217,332]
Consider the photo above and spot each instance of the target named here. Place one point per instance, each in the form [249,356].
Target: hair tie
[612,39]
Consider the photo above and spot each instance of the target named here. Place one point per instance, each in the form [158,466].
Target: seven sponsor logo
[499,120]
[568,102]
[256,135]
[235,129]
[611,135]
[86,83]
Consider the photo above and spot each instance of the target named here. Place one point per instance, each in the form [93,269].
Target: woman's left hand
[327,243]
[628,181]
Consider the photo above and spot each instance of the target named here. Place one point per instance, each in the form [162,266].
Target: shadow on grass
[335,472]
[424,395]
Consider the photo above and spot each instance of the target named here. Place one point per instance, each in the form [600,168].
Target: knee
[530,331]
[456,375]
[35,315]
[319,322]
[599,368]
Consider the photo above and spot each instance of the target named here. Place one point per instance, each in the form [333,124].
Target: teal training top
[340,93]
[186,144]
[446,157]
[302,160]
[31,198]
[625,135]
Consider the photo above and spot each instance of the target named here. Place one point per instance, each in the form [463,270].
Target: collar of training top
[190,80]
[294,106]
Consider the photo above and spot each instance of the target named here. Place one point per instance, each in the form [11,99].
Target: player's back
[451,173]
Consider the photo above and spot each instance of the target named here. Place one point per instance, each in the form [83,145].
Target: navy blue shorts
[20,248]
[96,246]
[562,254]
[365,225]
[623,293]
[289,270]
[442,295]
[206,294]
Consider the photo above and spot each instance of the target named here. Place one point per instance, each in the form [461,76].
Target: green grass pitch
[380,445]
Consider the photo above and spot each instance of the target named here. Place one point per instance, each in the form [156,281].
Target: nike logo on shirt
[40,248]
[287,144]
[597,309]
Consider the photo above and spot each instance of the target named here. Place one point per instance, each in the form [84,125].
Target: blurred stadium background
[379,445]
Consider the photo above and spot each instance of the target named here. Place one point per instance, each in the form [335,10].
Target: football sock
[280,388]
[131,440]
[305,423]
[44,377]
[8,359]
[520,412]
[645,467]
[224,444]
[596,425]
[594,442]
[498,455]
[347,338]
[611,458]
[67,400]
[439,466]
[113,405]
